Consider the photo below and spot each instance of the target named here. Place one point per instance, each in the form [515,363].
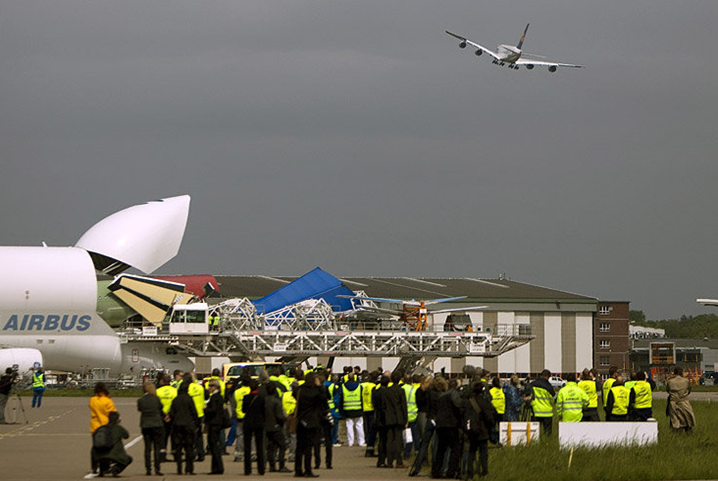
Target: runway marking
[133,442]
[25,429]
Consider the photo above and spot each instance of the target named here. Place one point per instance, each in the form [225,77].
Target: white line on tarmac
[133,442]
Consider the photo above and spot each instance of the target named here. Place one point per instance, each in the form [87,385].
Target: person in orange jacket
[101,406]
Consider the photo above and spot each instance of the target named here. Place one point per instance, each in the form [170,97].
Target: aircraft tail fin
[521,42]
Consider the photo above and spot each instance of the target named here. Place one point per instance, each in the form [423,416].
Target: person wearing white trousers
[357,423]
[351,410]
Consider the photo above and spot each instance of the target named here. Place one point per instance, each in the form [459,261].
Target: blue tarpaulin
[315,284]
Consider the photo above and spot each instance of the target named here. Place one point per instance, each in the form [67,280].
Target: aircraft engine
[529,66]
[24,358]
[552,68]
[478,52]
[462,45]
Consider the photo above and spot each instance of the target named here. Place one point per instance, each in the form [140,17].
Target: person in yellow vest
[216,375]
[632,382]
[289,404]
[333,387]
[347,372]
[542,402]
[606,388]
[214,322]
[410,390]
[197,393]
[367,390]
[285,380]
[38,386]
[276,378]
[498,399]
[643,397]
[239,395]
[166,394]
[588,385]
[351,410]
[571,400]
[178,374]
[619,401]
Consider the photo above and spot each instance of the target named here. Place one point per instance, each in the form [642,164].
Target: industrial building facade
[611,330]
[562,322]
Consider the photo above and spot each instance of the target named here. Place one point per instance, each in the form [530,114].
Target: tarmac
[55,444]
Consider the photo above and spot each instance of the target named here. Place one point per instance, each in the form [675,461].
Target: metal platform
[355,342]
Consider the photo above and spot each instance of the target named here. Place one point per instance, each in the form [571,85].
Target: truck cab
[189,318]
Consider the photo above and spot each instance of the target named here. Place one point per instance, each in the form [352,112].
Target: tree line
[687,327]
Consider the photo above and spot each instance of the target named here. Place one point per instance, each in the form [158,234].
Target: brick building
[610,336]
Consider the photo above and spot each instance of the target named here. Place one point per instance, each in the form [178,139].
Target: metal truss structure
[302,344]
[310,328]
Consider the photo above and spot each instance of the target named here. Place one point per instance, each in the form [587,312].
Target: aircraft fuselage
[508,53]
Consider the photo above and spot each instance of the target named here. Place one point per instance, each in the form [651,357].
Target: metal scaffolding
[310,328]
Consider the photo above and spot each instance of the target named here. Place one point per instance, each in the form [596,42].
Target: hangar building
[562,322]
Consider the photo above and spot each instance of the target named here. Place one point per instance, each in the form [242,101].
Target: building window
[605,327]
[604,310]
[604,344]
[604,360]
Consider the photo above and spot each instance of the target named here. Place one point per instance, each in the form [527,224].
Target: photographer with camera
[7,381]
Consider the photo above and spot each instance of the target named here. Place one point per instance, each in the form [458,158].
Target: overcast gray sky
[356,136]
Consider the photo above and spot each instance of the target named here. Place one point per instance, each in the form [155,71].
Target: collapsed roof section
[315,284]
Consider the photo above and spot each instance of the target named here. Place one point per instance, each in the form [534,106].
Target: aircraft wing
[375,299]
[526,61]
[465,41]
[459,309]
[442,300]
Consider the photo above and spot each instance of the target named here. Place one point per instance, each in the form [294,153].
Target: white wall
[552,342]
[584,340]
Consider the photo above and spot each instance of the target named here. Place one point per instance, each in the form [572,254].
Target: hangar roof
[483,290]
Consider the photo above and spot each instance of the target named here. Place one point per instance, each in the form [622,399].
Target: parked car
[556,381]
[708,378]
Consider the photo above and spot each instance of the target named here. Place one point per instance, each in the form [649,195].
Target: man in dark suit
[213,420]
[253,406]
[396,419]
[152,425]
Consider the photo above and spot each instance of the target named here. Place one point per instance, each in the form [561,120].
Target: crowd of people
[396,417]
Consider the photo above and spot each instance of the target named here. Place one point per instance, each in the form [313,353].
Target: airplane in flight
[708,302]
[49,295]
[513,56]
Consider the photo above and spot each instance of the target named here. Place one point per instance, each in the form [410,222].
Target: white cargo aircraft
[507,54]
[48,295]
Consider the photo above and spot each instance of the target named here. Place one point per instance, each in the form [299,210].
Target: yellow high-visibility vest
[166,395]
[351,399]
[621,397]
[644,396]
[411,408]
[589,387]
[542,403]
[367,388]
[239,394]
[498,399]
[38,380]
[570,402]
[289,402]
[196,392]
[607,388]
